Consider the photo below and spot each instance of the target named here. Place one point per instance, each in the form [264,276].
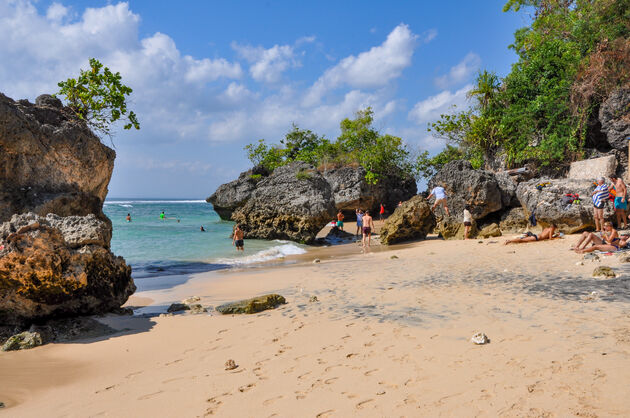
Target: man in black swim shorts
[368,224]
[237,238]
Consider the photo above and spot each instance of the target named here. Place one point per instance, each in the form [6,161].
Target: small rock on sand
[624,258]
[23,341]
[313,299]
[394,257]
[177,307]
[164,315]
[191,300]
[480,338]
[1,404]
[197,309]
[604,271]
[230,365]
[317,260]
[254,305]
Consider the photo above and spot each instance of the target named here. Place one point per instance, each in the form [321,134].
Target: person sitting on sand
[440,198]
[237,238]
[368,225]
[610,240]
[359,213]
[546,234]
[340,220]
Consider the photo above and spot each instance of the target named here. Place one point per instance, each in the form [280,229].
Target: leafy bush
[256,177]
[303,175]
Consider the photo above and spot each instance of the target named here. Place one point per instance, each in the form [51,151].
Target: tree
[98,97]
[486,88]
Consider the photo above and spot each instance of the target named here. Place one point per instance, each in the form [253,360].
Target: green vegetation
[256,177]
[359,144]
[571,57]
[98,97]
[303,175]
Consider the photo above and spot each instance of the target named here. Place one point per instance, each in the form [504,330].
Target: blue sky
[210,77]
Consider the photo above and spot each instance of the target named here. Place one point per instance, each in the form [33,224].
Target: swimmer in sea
[201,229]
[237,238]
[162,215]
[128,218]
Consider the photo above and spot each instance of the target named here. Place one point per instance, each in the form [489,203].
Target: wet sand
[387,337]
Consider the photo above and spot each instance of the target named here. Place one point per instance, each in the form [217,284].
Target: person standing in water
[128,218]
[237,238]
[368,225]
[201,228]
[162,215]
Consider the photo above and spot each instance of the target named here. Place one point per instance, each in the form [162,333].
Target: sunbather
[610,236]
[546,234]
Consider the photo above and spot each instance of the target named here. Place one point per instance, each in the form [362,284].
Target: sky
[209,77]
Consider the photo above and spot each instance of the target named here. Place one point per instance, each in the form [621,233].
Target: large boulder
[295,202]
[413,220]
[513,220]
[50,162]
[465,185]
[614,116]
[549,208]
[59,266]
[230,196]
[593,168]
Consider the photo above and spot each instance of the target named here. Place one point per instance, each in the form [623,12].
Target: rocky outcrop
[413,220]
[489,231]
[614,116]
[549,207]
[53,266]
[294,203]
[55,258]
[49,161]
[465,185]
[513,220]
[231,196]
[254,305]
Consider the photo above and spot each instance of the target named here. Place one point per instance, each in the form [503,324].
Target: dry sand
[388,337]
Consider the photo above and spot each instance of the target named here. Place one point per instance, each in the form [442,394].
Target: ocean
[175,245]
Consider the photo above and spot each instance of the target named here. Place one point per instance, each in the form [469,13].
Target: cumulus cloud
[460,72]
[370,69]
[267,65]
[429,35]
[432,107]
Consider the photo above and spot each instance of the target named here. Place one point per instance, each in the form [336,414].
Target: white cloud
[429,35]
[432,107]
[460,72]
[267,65]
[371,69]
[56,12]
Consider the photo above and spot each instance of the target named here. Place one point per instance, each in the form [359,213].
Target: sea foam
[275,252]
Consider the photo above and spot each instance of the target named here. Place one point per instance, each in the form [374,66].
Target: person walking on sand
[381,212]
[467,221]
[440,198]
[237,238]
[368,225]
[600,195]
[546,234]
[340,220]
[359,213]
[621,202]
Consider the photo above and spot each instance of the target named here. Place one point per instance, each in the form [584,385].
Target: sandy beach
[386,337]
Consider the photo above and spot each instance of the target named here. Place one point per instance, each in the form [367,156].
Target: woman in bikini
[610,241]
[546,234]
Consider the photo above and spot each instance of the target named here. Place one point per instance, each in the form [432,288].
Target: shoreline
[386,336]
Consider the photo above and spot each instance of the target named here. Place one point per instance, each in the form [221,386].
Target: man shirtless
[546,234]
[621,202]
[237,238]
[368,225]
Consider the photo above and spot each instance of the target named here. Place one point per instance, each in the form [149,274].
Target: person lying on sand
[610,241]
[546,234]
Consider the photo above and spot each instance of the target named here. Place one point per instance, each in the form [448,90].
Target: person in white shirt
[440,198]
[467,221]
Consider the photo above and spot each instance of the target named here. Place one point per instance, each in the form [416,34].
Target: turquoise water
[175,245]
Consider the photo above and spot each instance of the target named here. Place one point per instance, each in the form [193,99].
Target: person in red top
[381,212]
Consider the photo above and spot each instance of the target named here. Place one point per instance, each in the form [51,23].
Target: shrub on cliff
[97,96]
[359,144]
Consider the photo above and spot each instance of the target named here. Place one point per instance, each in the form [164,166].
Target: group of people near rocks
[605,238]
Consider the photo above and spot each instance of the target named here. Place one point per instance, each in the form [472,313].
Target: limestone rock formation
[231,196]
[412,220]
[52,266]
[513,220]
[465,185]
[250,306]
[614,116]
[549,207]
[49,161]
[489,231]
[294,202]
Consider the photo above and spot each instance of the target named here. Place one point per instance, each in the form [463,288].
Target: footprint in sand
[302,376]
[246,387]
[300,395]
[149,395]
[370,372]
[325,413]
[272,400]
[107,388]
[331,380]
[363,404]
[215,402]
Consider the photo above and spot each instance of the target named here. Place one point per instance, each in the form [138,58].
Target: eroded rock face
[231,196]
[254,305]
[295,202]
[412,220]
[513,220]
[465,185]
[52,266]
[49,161]
[549,207]
[614,116]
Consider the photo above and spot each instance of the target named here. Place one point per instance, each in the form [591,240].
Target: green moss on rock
[250,306]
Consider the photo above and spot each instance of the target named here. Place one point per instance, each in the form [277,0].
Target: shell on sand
[480,338]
